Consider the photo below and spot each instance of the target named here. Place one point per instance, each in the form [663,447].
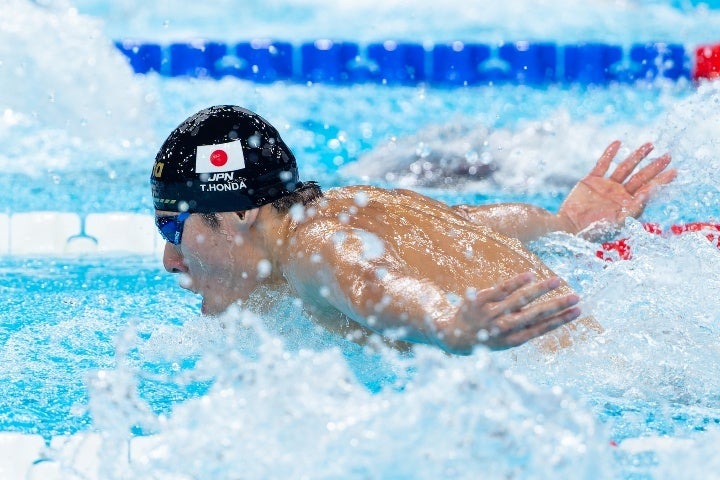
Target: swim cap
[222,159]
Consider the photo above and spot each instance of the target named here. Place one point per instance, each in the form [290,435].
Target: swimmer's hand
[505,316]
[597,199]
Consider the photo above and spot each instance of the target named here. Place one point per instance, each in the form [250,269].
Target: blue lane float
[143,57]
[405,63]
[457,63]
[397,63]
[326,61]
[264,61]
[198,59]
[592,63]
[659,60]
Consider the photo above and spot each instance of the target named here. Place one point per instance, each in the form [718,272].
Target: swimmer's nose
[173,259]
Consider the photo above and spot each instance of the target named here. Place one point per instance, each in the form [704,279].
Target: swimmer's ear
[247,216]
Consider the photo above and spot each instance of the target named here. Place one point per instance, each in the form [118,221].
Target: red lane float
[621,248]
[707,62]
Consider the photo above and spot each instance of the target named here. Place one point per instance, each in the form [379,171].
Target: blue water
[113,345]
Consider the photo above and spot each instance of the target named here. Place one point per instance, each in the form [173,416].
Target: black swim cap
[222,159]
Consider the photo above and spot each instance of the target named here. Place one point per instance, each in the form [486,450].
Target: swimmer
[364,260]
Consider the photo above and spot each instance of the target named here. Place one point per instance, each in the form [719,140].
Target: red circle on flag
[218,158]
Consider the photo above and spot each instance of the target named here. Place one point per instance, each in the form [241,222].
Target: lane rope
[620,249]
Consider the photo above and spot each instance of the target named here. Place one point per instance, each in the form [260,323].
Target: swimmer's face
[217,262]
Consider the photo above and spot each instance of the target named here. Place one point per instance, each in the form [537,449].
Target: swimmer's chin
[208,308]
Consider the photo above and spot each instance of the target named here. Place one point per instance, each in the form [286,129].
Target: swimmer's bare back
[409,267]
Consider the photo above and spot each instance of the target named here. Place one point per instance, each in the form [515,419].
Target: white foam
[66,88]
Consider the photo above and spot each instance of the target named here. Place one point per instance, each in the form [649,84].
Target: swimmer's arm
[595,199]
[518,220]
[404,308]
[380,295]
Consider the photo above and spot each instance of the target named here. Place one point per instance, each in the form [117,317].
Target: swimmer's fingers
[535,330]
[603,163]
[663,179]
[525,295]
[517,317]
[650,174]
[635,207]
[539,313]
[627,166]
[507,314]
[500,291]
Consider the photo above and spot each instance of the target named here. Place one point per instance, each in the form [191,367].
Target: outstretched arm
[594,199]
[500,317]
[506,315]
[382,296]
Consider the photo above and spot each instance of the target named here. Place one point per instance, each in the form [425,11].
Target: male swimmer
[235,216]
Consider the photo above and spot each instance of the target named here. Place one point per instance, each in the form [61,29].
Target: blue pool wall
[454,63]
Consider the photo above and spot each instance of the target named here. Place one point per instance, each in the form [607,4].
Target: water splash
[274,411]
[652,371]
[649,375]
[540,149]
[65,88]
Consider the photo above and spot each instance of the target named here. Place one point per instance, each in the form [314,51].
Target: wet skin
[364,259]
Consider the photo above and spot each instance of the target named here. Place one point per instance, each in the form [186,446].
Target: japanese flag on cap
[223,157]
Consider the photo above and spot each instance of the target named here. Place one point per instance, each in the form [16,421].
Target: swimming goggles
[171,227]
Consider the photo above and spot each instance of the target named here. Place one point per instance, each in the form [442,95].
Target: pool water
[110,343]
[60,321]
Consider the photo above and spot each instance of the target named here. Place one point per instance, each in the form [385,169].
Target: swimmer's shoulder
[365,195]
